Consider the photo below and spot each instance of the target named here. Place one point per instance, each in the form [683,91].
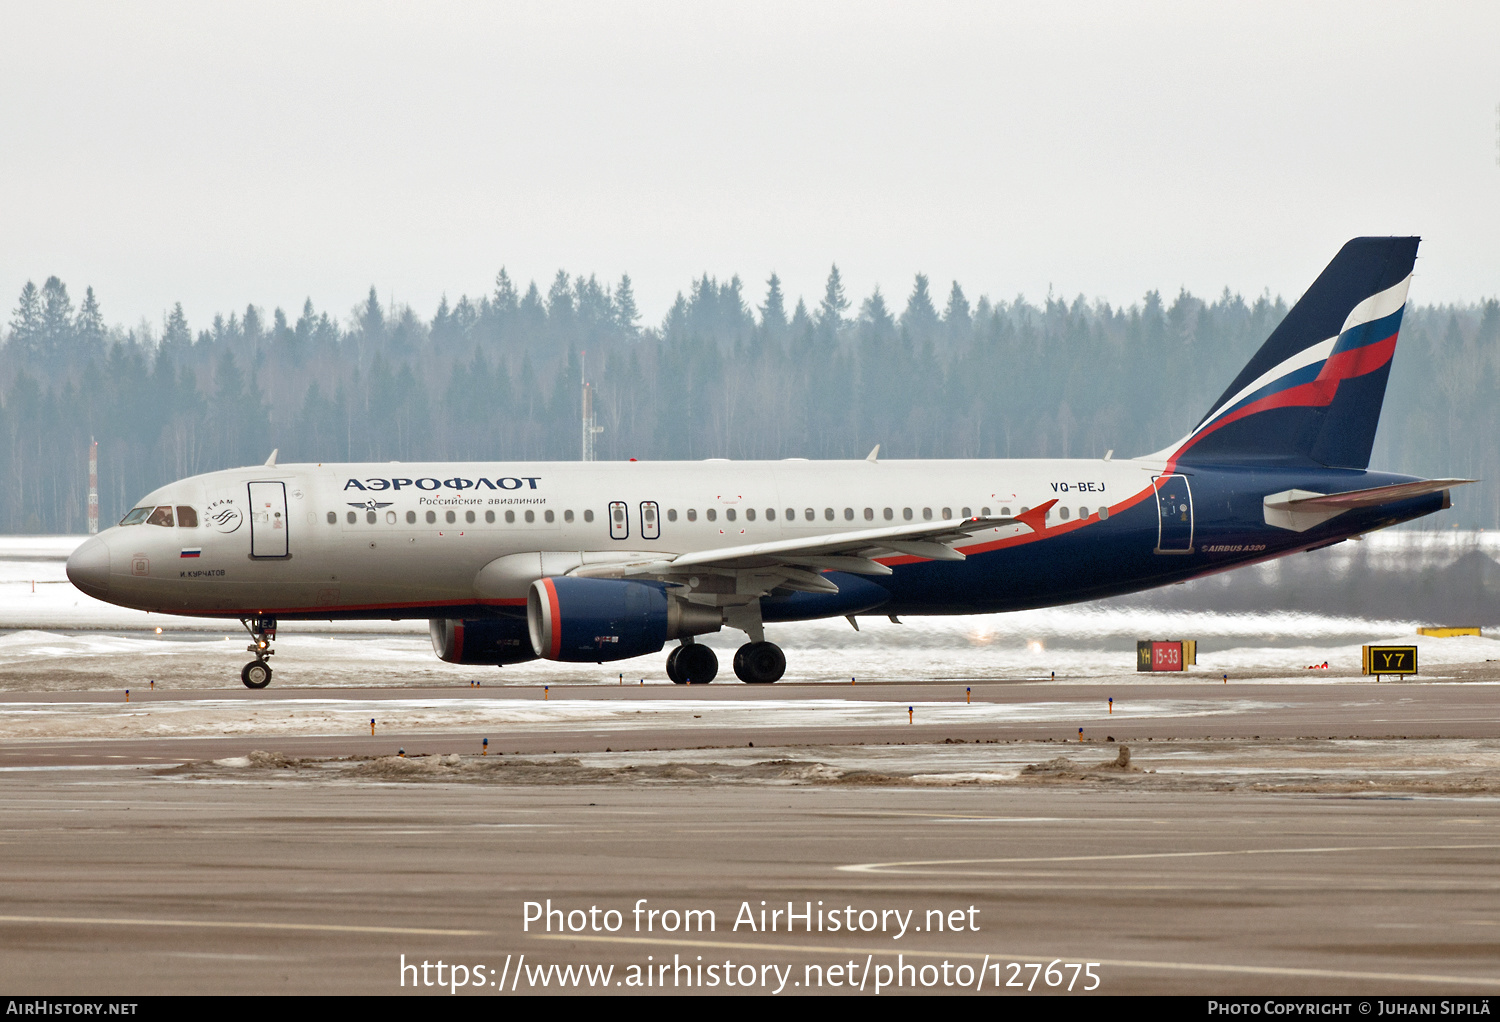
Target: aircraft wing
[799,563]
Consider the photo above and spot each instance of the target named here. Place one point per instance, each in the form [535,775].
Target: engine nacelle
[591,620]
[486,640]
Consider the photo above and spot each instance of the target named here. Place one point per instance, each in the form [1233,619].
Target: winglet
[1036,518]
[271,461]
[872,455]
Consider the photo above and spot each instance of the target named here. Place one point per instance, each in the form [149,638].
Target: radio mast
[93,487]
[590,430]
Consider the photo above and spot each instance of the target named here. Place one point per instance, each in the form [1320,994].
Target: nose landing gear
[257,673]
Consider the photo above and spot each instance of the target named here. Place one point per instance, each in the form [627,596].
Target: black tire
[759,663]
[672,672]
[697,664]
[256,674]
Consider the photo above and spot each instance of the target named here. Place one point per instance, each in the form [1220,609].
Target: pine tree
[773,313]
[920,318]
[26,324]
[833,306]
[89,326]
[956,318]
[626,313]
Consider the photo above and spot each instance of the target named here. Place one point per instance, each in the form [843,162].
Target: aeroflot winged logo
[455,483]
[370,505]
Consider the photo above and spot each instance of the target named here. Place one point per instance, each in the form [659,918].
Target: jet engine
[486,640]
[591,620]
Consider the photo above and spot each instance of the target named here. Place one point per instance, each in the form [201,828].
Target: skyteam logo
[370,505]
[223,515]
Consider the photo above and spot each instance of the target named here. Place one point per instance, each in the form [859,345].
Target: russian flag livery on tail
[1313,392]
[588,562]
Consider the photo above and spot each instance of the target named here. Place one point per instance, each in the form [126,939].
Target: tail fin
[1312,394]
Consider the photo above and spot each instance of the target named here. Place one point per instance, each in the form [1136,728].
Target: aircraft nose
[88,567]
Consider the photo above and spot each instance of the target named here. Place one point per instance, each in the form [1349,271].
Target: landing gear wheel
[256,674]
[672,672]
[759,663]
[696,664]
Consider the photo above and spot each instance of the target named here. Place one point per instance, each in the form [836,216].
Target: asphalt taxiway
[1341,837]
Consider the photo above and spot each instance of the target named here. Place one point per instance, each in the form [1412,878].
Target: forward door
[268,521]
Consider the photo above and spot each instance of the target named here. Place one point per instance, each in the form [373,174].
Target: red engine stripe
[555,623]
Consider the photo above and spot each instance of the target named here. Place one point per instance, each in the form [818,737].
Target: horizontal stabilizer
[1300,510]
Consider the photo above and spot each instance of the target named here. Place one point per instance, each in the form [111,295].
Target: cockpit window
[187,518]
[136,516]
[161,516]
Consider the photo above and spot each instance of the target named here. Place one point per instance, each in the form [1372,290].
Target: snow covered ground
[52,637]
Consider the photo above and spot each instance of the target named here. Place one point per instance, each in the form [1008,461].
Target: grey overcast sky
[224,154]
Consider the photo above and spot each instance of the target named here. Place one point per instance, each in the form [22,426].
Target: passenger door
[1174,509]
[268,520]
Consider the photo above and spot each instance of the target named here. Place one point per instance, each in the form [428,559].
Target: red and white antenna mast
[93,487]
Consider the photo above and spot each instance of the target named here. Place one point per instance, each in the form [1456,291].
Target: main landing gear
[758,663]
[257,673]
[692,664]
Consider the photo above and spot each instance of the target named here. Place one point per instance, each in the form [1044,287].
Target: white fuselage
[412,538]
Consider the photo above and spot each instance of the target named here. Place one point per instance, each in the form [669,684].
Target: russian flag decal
[192,551]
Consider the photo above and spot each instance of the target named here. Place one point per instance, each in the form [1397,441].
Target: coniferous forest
[727,373]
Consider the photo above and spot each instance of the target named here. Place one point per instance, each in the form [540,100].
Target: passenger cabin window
[1083,512]
[549,516]
[888,514]
[450,517]
[370,517]
[432,518]
[411,518]
[968,513]
[828,514]
[588,516]
[1063,512]
[390,518]
[906,513]
[729,514]
[749,514]
[333,517]
[187,518]
[927,514]
[530,516]
[869,514]
[510,517]
[489,517]
[710,514]
[848,514]
[692,514]
[351,517]
[136,516]
[947,513]
[161,516]
[469,517]
[568,517]
[671,514]
[810,514]
[770,514]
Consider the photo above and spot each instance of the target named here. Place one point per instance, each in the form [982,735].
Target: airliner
[590,562]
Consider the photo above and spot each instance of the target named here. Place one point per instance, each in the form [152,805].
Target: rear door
[1174,508]
[268,520]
